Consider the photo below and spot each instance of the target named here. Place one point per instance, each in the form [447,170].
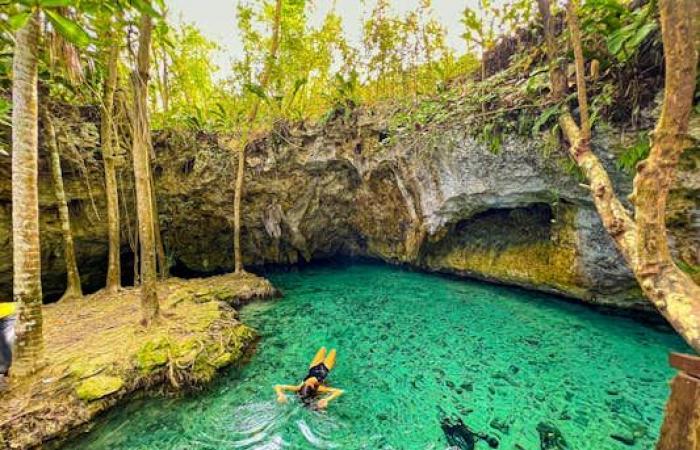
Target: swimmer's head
[308,390]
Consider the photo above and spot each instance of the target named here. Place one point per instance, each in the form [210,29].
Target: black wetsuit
[319,371]
[307,393]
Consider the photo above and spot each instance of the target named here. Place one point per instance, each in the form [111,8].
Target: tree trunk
[109,146]
[26,248]
[611,211]
[165,83]
[556,74]
[643,241]
[671,290]
[681,427]
[264,79]
[163,268]
[73,288]
[142,173]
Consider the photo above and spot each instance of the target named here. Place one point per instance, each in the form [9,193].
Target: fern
[627,160]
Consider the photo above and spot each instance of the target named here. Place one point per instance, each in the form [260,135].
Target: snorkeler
[313,385]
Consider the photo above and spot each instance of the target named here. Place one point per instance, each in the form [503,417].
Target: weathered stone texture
[438,199]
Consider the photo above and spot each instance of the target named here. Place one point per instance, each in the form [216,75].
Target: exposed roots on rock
[98,355]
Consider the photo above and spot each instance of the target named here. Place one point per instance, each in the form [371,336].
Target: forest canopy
[401,59]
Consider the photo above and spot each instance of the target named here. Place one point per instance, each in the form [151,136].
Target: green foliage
[688,268]
[574,170]
[185,75]
[601,102]
[69,29]
[624,41]
[492,137]
[632,155]
[5,111]
[407,56]
[256,90]
[420,115]
[622,30]
[19,20]
[317,72]
[536,82]
[544,118]
[485,23]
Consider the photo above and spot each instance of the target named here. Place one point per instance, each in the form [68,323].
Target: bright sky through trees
[217,20]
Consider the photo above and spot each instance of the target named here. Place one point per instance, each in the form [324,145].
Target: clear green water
[415,348]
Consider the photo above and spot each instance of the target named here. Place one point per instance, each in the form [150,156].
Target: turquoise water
[523,371]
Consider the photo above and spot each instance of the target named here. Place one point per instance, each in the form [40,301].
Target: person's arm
[335,393]
[280,388]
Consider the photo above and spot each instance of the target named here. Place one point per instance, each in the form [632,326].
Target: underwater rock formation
[436,199]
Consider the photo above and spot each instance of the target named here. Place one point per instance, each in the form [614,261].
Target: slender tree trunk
[643,241]
[264,79]
[73,288]
[26,248]
[109,146]
[611,211]
[483,79]
[165,83]
[556,74]
[142,173]
[163,269]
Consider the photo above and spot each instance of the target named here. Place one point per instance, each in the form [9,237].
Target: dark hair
[307,392]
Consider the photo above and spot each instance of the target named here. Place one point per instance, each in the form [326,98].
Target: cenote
[521,370]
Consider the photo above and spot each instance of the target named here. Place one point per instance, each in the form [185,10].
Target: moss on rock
[540,250]
[153,354]
[104,355]
[98,387]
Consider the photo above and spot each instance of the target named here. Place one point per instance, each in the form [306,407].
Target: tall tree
[26,248]
[142,172]
[73,288]
[481,29]
[642,238]
[264,80]
[382,41]
[109,154]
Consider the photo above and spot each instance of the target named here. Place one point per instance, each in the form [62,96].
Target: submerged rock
[460,436]
[550,437]
[627,439]
[501,425]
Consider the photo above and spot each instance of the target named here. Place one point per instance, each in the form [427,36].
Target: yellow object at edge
[7,309]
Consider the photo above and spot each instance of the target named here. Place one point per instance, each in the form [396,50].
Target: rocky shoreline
[97,355]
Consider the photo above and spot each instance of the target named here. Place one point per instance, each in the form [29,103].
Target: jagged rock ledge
[433,197]
[98,355]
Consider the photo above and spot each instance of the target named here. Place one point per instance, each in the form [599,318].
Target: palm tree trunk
[109,146]
[73,288]
[264,79]
[26,248]
[142,174]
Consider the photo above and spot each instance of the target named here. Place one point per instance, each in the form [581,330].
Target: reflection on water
[426,362]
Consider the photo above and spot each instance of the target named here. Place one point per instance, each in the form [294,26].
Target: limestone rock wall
[438,200]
